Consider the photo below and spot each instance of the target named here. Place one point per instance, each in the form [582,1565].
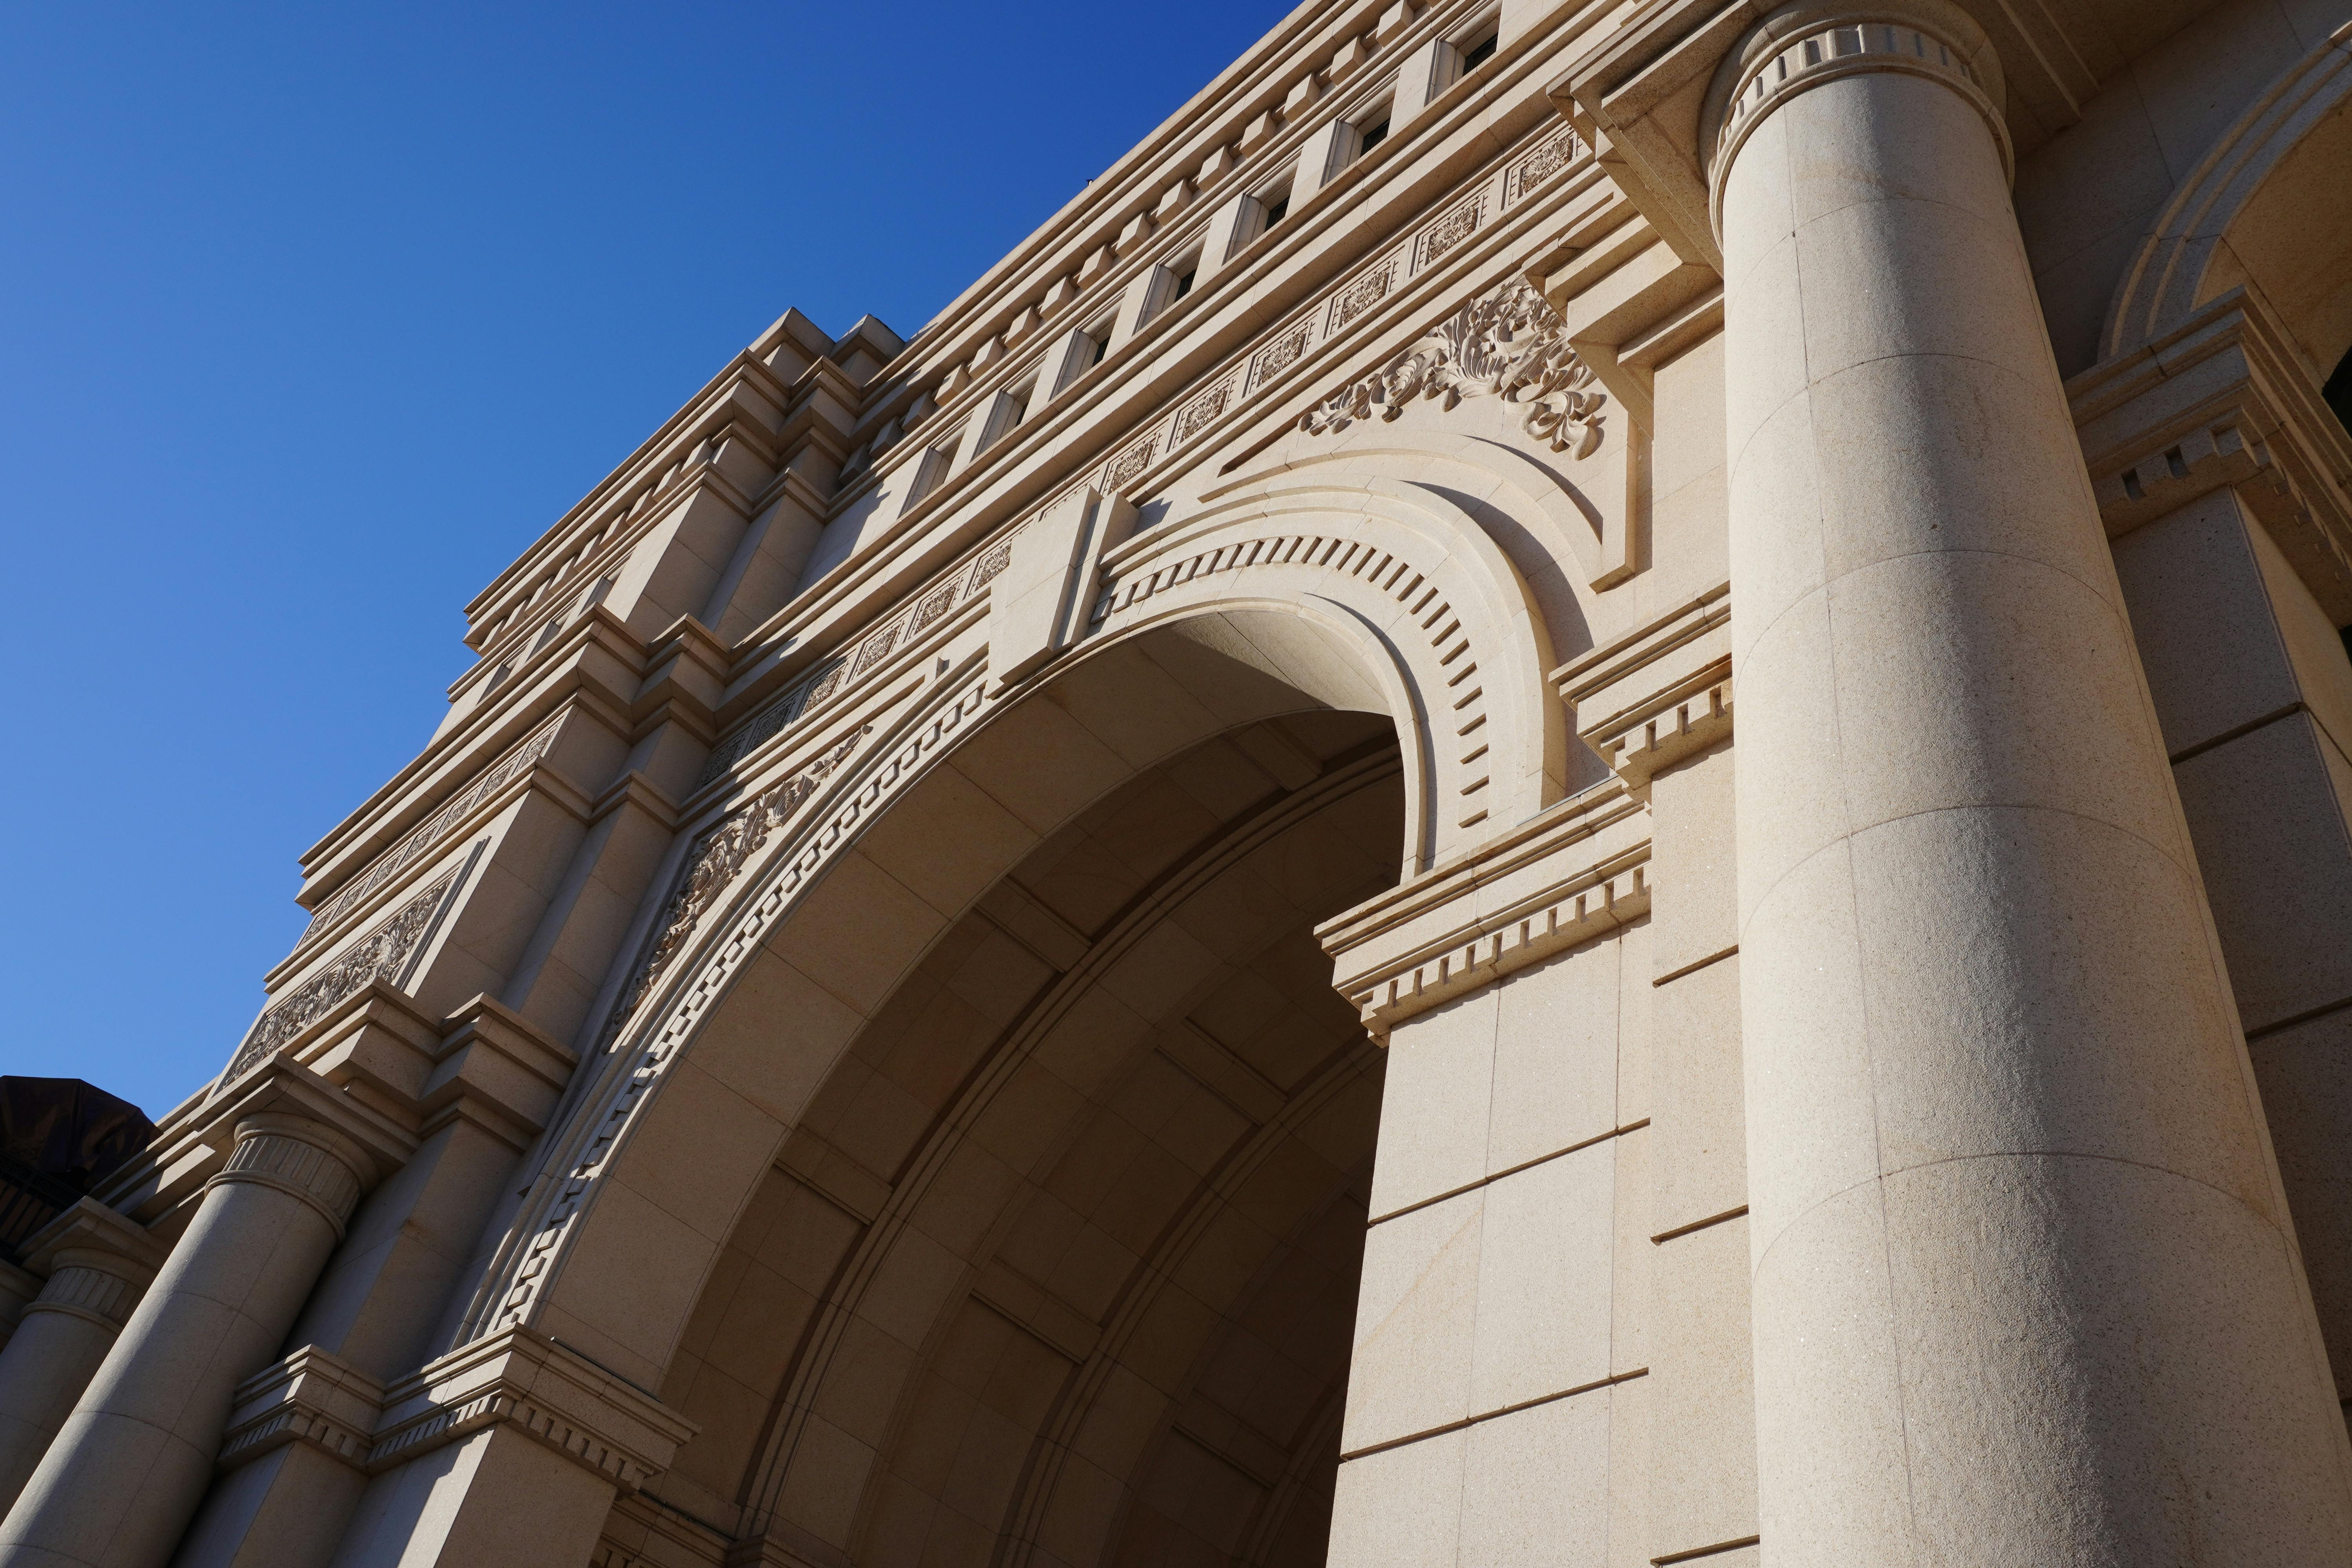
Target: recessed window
[547,633]
[1277,207]
[1372,135]
[1478,54]
[1192,270]
[932,469]
[1011,407]
[1102,347]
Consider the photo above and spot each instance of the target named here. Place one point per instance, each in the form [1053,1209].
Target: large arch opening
[1056,1260]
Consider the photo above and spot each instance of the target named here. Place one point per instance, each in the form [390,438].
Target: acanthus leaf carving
[1510,345]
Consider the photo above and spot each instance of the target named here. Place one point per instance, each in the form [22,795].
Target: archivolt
[1438,616]
[2244,217]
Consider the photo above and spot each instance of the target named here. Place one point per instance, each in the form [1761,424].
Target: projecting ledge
[1572,874]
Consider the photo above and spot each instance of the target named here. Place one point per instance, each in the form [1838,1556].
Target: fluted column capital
[98,1263]
[302,1158]
[1815,42]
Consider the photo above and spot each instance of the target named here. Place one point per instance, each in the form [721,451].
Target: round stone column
[2024,1287]
[128,1469]
[98,1264]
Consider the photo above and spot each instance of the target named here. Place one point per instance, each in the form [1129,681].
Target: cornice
[1219,115]
[517,1379]
[1660,693]
[1572,874]
[1494,99]
[596,656]
[308,1397]
[744,372]
[2220,401]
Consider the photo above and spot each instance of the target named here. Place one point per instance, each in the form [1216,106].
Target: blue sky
[312,317]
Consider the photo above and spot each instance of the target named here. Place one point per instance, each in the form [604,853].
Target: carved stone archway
[2262,211]
[1349,590]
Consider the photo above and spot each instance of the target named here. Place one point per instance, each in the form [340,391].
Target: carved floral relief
[1510,344]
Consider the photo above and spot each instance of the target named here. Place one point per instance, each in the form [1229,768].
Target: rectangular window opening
[1478,54]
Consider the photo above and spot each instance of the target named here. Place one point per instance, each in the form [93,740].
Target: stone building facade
[1574,790]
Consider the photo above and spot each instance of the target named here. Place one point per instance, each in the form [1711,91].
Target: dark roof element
[58,1138]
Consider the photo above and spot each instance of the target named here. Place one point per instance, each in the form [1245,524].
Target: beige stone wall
[1013,955]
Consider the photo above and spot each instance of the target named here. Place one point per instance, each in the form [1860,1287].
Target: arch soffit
[586,1231]
[1441,622]
[2227,222]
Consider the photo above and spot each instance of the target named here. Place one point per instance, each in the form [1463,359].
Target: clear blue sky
[312,317]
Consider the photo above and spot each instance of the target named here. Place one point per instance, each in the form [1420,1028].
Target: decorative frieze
[1127,466]
[1510,345]
[1449,231]
[382,954]
[1197,414]
[427,835]
[1549,158]
[1369,290]
[1562,409]
[712,861]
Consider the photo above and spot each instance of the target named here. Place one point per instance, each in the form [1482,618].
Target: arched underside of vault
[1060,1264]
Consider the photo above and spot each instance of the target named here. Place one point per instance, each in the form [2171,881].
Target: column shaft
[2024,1287]
[132,1462]
[58,1345]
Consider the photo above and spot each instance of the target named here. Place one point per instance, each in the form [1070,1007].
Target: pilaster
[1498,1356]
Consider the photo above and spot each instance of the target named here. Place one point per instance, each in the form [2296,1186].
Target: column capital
[1815,42]
[301,1157]
[98,1263]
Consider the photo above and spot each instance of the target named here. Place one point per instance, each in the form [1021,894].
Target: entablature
[1203,396]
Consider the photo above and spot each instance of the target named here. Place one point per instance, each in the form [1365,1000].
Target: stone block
[1535,1485]
[1545,1248]
[1698,1130]
[2267,812]
[1556,1056]
[1435,1114]
[1415,1323]
[1703,1404]
[1400,1507]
